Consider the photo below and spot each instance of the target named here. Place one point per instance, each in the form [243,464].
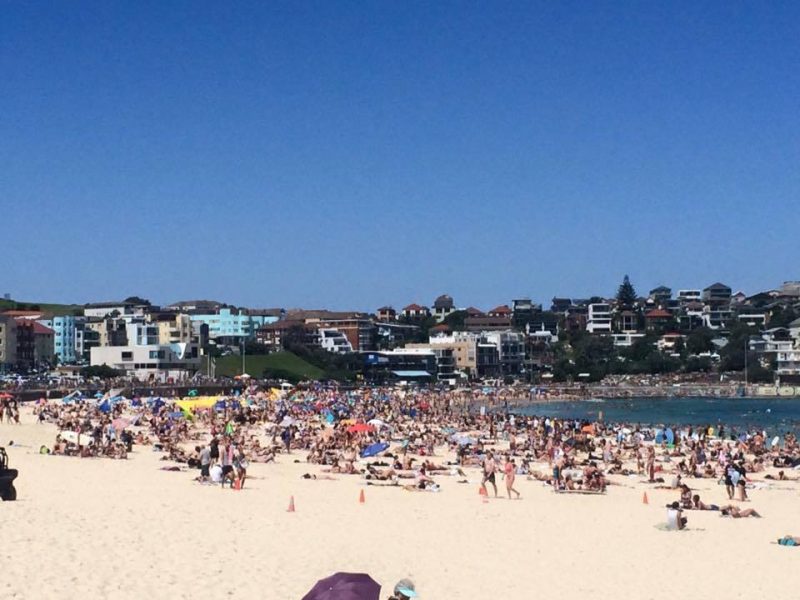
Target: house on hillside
[717,294]
[657,319]
[442,307]
[660,295]
[501,311]
[386,314]
[415,311]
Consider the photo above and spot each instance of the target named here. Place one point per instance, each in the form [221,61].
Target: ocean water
[776,416]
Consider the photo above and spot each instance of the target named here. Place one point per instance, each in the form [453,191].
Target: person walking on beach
[489,468]
[510,473]
[205,463]
[651,464]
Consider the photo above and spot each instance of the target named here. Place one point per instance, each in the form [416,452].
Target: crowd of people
[402,438]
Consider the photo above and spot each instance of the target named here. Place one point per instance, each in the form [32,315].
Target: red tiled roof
[657,313]
[415,307]
[502,310]
[39,329]
[22,313]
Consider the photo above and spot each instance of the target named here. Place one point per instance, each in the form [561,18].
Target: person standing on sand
[510,473]
[489,469]
[651,464]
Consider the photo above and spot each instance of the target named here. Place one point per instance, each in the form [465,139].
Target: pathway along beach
[101,528]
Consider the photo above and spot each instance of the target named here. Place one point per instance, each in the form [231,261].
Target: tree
[455,320]
[101,371]
[137,300]
[626,294]
[641,348]
[782,316]
[699,341]
[698,364]
[732,356]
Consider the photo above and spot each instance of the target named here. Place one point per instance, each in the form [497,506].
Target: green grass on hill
[56,310]
[283,364]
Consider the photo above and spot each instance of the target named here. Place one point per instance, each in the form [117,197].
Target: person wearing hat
[403,590]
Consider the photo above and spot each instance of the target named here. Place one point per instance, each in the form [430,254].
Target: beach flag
[482,491]
[361,498]
[291,504]
[237,484]
[644,498]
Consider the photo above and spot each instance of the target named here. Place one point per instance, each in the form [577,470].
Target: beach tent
[197,402]
[670,436]
[104,406]
[659,436]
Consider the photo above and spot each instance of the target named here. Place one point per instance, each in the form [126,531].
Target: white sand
[98,528]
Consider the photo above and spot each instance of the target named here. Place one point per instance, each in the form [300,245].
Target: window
[156,354]
[127,356]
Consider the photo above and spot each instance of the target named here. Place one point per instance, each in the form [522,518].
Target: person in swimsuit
[510,473]
[698,504]
[737,513]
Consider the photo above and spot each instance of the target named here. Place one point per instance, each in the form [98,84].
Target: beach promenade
[95,528]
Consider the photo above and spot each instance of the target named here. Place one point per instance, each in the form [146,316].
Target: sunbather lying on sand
[698,504]
[737,513]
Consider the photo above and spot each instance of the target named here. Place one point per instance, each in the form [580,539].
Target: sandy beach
[97,528]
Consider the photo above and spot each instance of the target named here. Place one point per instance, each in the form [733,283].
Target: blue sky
[349,155]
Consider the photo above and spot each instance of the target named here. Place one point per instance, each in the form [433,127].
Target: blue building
[64,340]
[229,326]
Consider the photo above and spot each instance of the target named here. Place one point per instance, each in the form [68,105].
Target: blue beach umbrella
[374,449]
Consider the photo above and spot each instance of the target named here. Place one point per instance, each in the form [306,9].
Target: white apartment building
[335,341]
[105,309]
[464,345]
[151,361]
[598,318]
[510,346]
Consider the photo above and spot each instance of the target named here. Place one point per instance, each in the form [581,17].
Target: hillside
[283,365]
[49,308]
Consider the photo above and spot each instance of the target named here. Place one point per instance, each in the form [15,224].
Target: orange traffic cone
[291,505]
[482,491]
[644,498]
[361,498]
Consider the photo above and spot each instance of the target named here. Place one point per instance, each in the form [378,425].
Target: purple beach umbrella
[345,586]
